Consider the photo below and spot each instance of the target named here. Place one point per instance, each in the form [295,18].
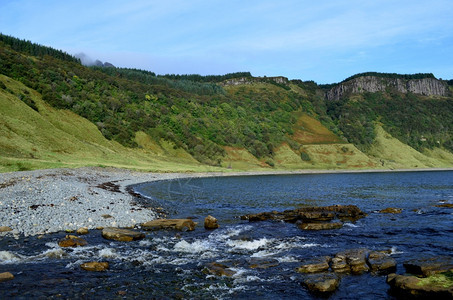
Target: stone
[218,269]
[95,266]
[320,226]
[315,265]
[5,229]
[339,265]
[122,235]
[82,231]
[447,205]
[262,263]
[5,276]
[210,223]
[391,210]
[381,263]
[322,283]
[429,266]
[356,259]
[178,224]
[72,241]
[438,286]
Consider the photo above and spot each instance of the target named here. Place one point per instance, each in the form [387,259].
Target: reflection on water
[172,265]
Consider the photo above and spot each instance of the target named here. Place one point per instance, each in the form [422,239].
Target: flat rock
[5,229]
[72,241]
[429,266]
[178,224]
[355,258]
[95,266]
[262,263]
[391,210]
[5,276]
[322,283]
[210,223]
[315,265]
[122,235]
[320,226]
[381,263]
[438,286]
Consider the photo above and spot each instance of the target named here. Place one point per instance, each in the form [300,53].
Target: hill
[57,112]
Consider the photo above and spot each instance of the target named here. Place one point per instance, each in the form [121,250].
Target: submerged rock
[315,265]
[320,226]
[429,266]
[72,241]
[262,263]
[322,283]
[122,235]
[178,224]
[5,229]
[95,266]
[391,210]
[210,223]
[438,286]
[5,276]
[218,269]
[381,263]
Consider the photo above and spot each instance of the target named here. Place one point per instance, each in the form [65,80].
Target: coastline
[51,200]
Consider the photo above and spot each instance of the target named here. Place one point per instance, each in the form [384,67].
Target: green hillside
[56,112]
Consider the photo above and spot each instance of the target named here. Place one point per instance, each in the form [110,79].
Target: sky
[325,41]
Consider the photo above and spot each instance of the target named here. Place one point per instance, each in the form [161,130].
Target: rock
[315,265]
[107,216]
[391,210]
[355,258]
[5,276]
[82,231]
[262,263]
[447,205]
[381,263]
[322,283]
[210,223]
[218,269]
[438,286]
[320,226]
[122,235]
[339,265]
[95,266]
[72,241]
[429,266]
[178,224]
[5,229]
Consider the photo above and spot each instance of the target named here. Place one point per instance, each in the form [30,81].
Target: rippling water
[170,264]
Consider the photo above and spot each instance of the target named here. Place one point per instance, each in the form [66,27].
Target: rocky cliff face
[425,86]
[250,80]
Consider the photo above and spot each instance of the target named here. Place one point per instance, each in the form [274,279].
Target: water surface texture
[170,264]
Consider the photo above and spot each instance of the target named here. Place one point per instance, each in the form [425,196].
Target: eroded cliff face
[425,86]
[250,80]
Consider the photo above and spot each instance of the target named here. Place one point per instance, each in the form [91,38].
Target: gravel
[45,201]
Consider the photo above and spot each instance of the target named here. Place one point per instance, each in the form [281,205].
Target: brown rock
[218,269]
[5,229]
[355,258]
[178,224]
[448,205]
[5,276]
[429,266]
[315,265]
[339,265]
[95,266]
[391,210]
[381,263]
[322,283]
[210,223]
[320,226]
[122,235]
[72,241]
[262,263]
[438,286]
[82,231]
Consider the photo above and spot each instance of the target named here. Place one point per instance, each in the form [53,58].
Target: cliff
[250,80]
[424,86]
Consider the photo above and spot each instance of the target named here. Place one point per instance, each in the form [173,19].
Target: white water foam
[7,257]
[249,245]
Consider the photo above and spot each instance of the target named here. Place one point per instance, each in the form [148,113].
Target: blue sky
[324,41]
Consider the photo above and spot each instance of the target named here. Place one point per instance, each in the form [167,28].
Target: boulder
[72,241]
[210,223]
[178,224]
[5,276]
[315,265]
[122,235]
[381,263]
[438,286]
[446,205]
[218,269]
[355,259]
[262,263]
[82,231]
[322,283]
[429,266]
[95,266]
[320,226]
[5,229]
[391,210]
[339,265]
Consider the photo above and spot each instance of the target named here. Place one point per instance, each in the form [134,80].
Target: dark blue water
[172,265]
